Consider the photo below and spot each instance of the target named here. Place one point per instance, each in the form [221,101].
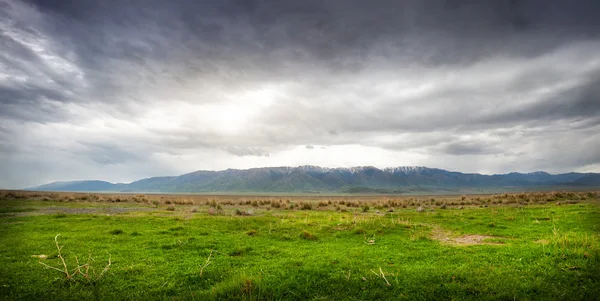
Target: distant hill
[78,186]
[587,180]
[362,179]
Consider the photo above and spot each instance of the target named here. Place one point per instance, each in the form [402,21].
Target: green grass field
[237,250]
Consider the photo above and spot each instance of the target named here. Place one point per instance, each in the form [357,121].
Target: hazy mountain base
[314,179]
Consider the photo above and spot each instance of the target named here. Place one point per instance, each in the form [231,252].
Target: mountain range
[316,179]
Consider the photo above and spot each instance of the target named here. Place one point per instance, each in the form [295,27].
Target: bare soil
[464,240]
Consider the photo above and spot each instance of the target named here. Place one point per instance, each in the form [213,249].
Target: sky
[122,90]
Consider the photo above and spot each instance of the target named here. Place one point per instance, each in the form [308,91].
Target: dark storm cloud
[581,101]
[216,37]
[129,82]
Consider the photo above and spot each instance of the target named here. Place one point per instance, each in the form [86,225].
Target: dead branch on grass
[206,263]
[381,275]
[70,275]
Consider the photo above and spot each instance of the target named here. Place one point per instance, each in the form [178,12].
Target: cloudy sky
[121,90]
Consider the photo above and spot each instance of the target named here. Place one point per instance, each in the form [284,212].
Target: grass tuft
[307,235]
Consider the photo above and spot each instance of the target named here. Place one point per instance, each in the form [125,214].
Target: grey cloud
[24,102]
[579,102]
[309,147]
[19,93]
[271,33]
[469,148]
[108,154]
[246,151]
[221,38]
[452,106]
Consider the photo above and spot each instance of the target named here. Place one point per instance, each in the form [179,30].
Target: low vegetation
[541,246]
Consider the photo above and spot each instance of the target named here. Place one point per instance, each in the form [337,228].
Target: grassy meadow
[521,246]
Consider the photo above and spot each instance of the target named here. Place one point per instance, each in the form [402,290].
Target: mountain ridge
[311,178]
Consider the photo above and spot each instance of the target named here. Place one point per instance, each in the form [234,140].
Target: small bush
[359,231]
[306,206]
[171,208]
[251,232]
[240,251]
[242,212]
[307,235]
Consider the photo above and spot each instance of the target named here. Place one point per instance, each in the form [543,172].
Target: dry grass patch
[447,237]
[476,239]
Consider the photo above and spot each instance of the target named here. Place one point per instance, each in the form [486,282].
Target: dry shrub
[307,235]
[82,272]
[242,212]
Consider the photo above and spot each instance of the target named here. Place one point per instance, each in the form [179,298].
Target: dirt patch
[476,240]
[465,240]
